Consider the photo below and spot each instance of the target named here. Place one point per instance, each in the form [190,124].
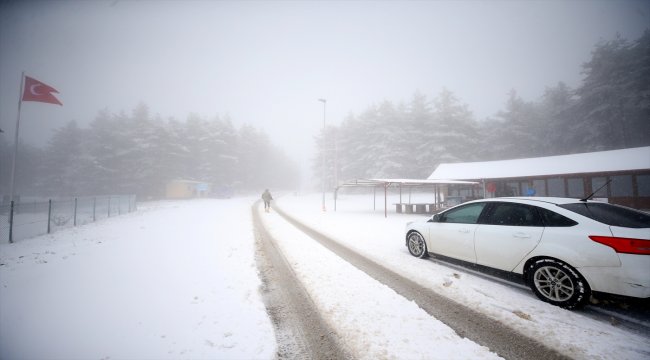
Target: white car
[565,249]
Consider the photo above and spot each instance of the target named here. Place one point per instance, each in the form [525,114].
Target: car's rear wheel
[558,283]
[416,244]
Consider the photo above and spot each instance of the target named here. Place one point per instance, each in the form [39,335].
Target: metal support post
[49,215]
[11,222]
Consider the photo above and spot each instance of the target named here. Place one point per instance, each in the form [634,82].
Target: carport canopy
[386,183]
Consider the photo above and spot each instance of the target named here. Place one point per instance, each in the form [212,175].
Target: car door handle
[521,235]
[464,231]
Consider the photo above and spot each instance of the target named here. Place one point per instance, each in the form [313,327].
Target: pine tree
[558,119]
[517,131]
[63,163]
[456,133]
[614,106]
[421,134]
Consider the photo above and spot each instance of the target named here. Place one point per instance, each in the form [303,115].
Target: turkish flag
[37,91]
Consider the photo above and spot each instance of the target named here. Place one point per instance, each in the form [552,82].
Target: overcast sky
[267,63]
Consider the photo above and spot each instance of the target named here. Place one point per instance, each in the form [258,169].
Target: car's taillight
[624,245]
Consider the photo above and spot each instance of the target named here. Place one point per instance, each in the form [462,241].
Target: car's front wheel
[558,283]
[416,244]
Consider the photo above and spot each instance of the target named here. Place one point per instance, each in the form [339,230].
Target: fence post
[119,205]
[75,212]
[94,205]
[11,222]
[49,214]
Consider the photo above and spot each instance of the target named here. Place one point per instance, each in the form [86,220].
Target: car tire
[416,244]
[557,283]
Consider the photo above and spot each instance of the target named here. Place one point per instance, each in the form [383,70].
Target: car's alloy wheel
[553,283]
[417,246]
[557,283]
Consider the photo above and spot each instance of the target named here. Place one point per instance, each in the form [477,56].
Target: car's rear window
[612,215]
[553,219]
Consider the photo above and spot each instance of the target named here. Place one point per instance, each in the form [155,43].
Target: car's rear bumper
[632,278]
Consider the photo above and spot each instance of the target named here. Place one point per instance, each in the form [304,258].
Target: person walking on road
[266,196]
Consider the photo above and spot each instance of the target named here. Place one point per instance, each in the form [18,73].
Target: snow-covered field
[177,280]
[174,280]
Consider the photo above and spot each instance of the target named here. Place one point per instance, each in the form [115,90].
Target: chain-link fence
[24,219]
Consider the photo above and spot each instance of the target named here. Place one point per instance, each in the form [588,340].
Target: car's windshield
[611,214]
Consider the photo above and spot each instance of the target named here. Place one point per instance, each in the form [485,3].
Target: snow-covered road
[371,320]
[178,280]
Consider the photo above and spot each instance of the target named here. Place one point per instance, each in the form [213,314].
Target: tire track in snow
[300,331]
[468,323]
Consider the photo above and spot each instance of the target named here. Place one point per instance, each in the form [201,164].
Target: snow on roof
[410,182]
[421,181]
[595,162]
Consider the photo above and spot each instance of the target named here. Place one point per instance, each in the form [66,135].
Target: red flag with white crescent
[38,91]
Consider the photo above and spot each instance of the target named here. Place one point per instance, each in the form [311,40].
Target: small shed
[187,189]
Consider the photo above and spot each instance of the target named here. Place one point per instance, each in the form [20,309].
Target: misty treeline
[140,154]
[610,110]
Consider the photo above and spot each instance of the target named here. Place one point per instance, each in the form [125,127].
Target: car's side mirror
[435,218]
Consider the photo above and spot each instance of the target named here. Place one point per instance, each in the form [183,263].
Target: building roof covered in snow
[594,162]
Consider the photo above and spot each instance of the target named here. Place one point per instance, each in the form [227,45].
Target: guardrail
[21,220]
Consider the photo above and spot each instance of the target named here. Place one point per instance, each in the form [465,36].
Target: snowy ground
[373,320]
[177,280]
[382,239]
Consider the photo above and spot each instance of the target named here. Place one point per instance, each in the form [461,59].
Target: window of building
[556,187]
[513,188]
[621,185]
[599,183]
[576,187]
[643,185]
[539,186]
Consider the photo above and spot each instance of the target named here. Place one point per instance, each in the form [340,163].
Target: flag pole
[13,161]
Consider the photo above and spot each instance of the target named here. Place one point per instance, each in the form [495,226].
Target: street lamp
[324,101]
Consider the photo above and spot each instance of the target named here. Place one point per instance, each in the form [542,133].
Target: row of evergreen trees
[138,154]
[610,110]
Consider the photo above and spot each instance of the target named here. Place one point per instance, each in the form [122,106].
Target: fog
[266,64]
